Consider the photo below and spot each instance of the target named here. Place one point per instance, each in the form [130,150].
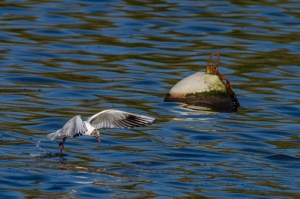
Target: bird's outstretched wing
[74,127]
[118,119]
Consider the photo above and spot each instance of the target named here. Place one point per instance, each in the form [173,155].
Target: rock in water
[200,89]
[204,89]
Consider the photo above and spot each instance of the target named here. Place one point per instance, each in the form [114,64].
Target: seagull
[105,119]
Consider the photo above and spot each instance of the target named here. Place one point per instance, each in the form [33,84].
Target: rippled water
[63,58]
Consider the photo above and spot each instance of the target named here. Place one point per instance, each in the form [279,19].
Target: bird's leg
[62,144]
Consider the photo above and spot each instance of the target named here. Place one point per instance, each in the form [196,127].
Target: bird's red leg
[62,144]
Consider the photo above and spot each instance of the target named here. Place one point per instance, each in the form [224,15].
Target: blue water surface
[73,57]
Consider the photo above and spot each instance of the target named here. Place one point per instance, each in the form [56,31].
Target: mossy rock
[200,89]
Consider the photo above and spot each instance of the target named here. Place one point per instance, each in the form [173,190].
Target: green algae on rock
[200,89]
[204,89]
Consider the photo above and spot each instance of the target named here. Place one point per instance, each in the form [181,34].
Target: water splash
[45,154]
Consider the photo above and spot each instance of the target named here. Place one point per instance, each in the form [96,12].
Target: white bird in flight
[104,119]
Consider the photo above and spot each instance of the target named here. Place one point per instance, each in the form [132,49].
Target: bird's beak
[96,135]
[98,139]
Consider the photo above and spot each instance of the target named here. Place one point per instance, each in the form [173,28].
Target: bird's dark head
[96,134]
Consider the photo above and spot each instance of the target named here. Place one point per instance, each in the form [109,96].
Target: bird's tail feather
[52,136]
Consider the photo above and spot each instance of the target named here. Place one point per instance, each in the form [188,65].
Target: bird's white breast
[89,127]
